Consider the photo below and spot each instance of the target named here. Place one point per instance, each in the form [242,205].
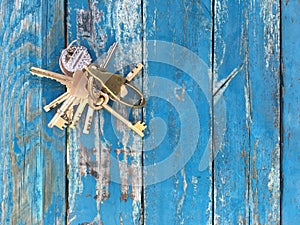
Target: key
[88,120]
[138,127]
[65,109]
[57,101]
[94,105]
[65,80]
[134,72]
[115,85]
[57,120]
[78,113]
[94,96]
[78,92]
[110,53]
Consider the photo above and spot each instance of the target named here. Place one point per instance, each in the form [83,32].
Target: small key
[94,105]
[138,127]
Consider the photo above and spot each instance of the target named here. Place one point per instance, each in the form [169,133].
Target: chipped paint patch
[182,198]
[274,186]
[270,13]
[180,92]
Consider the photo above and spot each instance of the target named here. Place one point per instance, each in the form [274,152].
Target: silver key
[110,53]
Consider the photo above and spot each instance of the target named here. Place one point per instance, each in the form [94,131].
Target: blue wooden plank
[264,93]
[247,168]
[105,166]
[32,188]
[291,132]
[231,163]
[177,55]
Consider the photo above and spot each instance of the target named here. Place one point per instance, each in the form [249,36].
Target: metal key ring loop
[142,100]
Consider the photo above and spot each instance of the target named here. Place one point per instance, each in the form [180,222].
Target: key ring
[96,100]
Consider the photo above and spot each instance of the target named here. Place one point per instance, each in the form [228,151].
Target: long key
[138,127]
[65,80]
[57,101]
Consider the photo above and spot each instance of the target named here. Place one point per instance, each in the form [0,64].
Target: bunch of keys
[89,85]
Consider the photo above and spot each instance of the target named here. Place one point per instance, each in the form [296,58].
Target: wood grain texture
[223,125]
[291,108]
[105,173]
[177,192]
[247,171]
[32,190]
[231,163]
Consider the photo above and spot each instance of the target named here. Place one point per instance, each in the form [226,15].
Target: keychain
[92,86]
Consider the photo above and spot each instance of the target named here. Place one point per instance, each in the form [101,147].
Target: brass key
[138,127]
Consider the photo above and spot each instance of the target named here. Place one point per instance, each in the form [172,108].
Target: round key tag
[74,57]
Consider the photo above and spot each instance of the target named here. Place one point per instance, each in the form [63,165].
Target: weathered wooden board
[264,95]
[231,162]
[290,114]
[177,84]
[32,189]
[247,165]
[105,173]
